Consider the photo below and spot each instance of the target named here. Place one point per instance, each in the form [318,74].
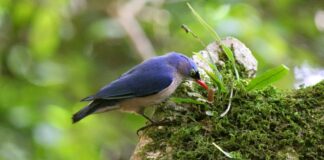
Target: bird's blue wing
[135,86]
[139,83]
[145,79]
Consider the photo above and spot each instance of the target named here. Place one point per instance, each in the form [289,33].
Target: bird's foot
[153,123]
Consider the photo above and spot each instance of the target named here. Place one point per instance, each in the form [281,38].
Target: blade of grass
[217,78]
[268,77]
[188,30]
[204,23]
[230,56]
[210,63]
[227,51]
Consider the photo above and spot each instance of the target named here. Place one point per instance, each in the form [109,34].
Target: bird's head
[187,67]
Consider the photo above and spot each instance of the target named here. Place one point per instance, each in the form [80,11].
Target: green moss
[263,124]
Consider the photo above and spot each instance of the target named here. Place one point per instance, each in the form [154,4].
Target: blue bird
[150,82]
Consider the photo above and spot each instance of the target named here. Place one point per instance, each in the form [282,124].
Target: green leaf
[219,83]
[185,100]
[204,23]
[268,77]
[210,64]
[230,56]
[227,51]
[216,75]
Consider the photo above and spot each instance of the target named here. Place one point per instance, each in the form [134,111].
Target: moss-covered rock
[266,124]
[261,124]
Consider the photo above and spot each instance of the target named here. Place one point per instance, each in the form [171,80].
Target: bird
[148,83]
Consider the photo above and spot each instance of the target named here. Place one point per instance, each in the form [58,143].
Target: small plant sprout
[268,77]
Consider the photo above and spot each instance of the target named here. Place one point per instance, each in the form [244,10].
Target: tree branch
[126,17]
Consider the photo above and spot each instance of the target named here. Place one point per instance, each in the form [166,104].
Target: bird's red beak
[202,83]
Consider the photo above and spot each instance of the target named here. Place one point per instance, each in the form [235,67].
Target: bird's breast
[136,104]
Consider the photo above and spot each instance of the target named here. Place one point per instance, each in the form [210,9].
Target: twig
[225,153]
[126,18]
[229,103]
[188,30]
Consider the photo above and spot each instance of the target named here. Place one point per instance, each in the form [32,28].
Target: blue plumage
[147,83]
[139,83]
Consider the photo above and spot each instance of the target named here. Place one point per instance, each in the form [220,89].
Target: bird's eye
[192,72]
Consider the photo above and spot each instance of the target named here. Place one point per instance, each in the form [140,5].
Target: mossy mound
[262,124]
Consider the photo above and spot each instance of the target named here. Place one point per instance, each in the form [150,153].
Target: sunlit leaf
[268,77]
[204,23]
[227,51]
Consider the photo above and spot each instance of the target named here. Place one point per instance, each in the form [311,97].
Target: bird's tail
[82,113]
[93,107]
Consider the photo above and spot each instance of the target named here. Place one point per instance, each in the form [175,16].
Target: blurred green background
[55,52]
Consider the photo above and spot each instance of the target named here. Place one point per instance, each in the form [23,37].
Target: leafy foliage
[226,50]
[268,77]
